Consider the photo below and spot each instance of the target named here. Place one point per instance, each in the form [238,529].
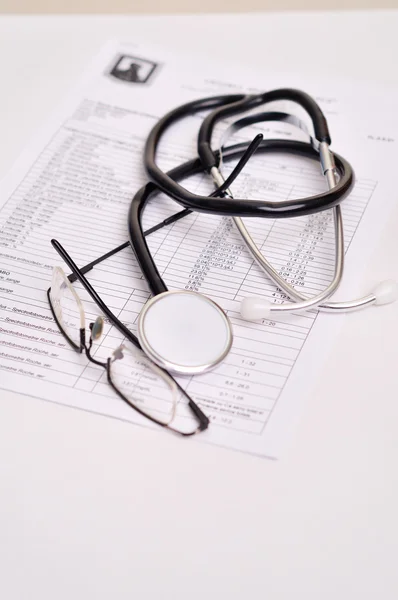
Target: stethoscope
[186,332]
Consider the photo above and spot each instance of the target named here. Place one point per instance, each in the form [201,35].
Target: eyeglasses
[145,387]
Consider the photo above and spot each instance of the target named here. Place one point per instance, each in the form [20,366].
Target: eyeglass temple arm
[182,213]
[200,415]
[176,217]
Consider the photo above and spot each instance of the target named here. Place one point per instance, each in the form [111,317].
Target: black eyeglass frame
[78,275]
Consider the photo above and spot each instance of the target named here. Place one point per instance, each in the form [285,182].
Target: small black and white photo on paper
[132,69]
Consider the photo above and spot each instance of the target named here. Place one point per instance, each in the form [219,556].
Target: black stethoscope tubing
[193,167]
[226,106]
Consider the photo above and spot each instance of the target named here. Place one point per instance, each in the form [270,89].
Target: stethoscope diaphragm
[184,332]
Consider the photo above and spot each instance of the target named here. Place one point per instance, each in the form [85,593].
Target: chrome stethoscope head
[174,329]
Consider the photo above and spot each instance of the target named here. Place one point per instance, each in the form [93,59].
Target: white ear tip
[386,292]
[254,308]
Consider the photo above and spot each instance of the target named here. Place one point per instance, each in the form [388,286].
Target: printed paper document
[75,182]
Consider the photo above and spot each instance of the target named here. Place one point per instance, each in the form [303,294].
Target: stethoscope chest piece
[184,332]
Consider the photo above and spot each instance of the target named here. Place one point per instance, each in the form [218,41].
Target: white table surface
[97,509]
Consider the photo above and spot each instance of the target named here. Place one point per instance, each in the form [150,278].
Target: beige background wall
[181,6]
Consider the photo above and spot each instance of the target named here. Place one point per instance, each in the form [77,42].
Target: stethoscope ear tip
[255,308]
[386,292]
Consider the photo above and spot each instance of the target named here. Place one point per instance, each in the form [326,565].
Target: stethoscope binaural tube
[304,303]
